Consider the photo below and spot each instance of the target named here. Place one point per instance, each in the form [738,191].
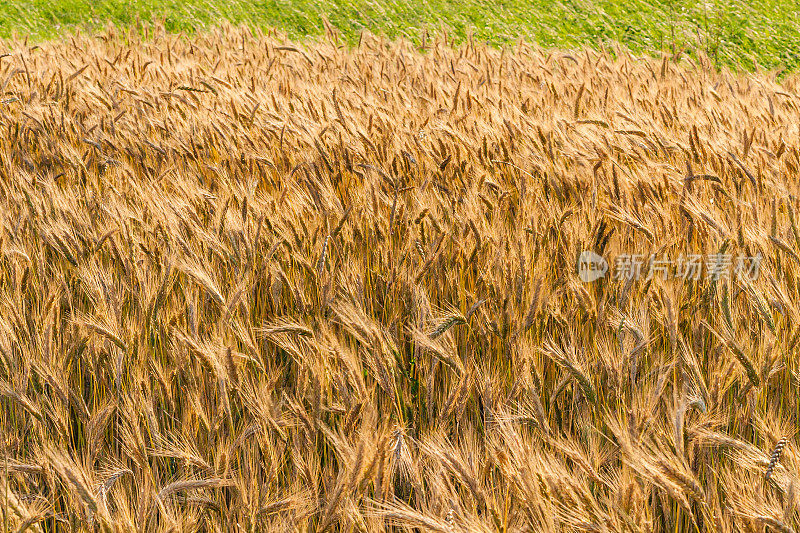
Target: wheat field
[254,285]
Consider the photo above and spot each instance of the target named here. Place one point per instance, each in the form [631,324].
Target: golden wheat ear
[775,457]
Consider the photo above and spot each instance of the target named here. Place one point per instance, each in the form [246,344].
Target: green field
[732,33]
